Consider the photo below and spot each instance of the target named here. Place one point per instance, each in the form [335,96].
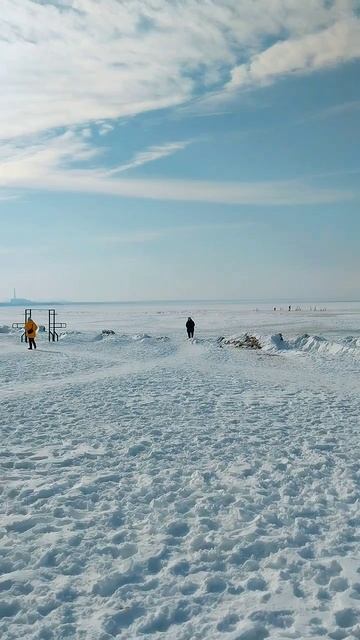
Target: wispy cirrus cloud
[141,236]
[68,62]
[52,165]
[145,236]
[8,196]
[151,154]
[340,42]
[104,128]
[335,110]
[78,64]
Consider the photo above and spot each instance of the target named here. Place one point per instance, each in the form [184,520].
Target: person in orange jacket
[30,332]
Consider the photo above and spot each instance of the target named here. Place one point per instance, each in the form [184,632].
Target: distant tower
[14,293]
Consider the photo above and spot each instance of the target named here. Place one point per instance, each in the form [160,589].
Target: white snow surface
[155,487]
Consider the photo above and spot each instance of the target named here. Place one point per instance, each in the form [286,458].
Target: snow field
[158,488]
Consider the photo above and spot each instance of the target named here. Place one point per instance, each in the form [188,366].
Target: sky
[180,149]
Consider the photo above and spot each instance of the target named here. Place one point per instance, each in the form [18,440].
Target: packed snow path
[163,489]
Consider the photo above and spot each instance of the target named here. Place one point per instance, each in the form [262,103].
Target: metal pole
[27,317]
[52,324]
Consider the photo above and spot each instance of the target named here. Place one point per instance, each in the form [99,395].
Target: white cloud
[79,65]
[338,43]
[149,155]
[8,196]
[25,159]
[51,164]
[42,167]
[68,62]
[105,128]
[345,107]
[256,193]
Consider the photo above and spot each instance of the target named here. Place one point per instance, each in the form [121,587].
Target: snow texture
[159,487]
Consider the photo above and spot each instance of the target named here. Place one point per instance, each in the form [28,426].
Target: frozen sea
[159,488]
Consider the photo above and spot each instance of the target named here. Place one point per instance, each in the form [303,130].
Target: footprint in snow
[178,529]
[228,623]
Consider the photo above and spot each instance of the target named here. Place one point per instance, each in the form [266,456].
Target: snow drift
[349,346]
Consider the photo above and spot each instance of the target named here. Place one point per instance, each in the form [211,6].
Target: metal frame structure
[51,328]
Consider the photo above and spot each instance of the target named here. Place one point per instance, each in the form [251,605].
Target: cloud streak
[130,237]
[150,155]
[52,165]
[239,193]
[4,196]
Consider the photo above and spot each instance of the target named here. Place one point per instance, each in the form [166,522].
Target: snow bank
[5,329]
[349,346]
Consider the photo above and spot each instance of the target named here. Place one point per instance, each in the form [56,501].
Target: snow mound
[4,329]
[106,333]
[349,346]
[65,335]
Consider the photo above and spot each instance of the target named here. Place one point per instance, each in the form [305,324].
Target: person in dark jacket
[190,326]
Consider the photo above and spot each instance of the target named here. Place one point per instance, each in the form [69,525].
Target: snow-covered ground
[153,487]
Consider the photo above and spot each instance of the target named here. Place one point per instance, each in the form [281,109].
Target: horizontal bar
[20,325]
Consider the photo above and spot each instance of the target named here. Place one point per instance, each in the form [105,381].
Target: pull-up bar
[52,324]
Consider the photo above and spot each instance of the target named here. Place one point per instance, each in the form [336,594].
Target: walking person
[30,332]
[190,326]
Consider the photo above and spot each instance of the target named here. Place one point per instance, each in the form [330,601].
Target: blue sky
[193,149]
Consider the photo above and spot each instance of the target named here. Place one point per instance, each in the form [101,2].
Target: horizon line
[272,300]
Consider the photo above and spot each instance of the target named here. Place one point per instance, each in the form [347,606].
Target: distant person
[289,307]
[30,332]
[190,326]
